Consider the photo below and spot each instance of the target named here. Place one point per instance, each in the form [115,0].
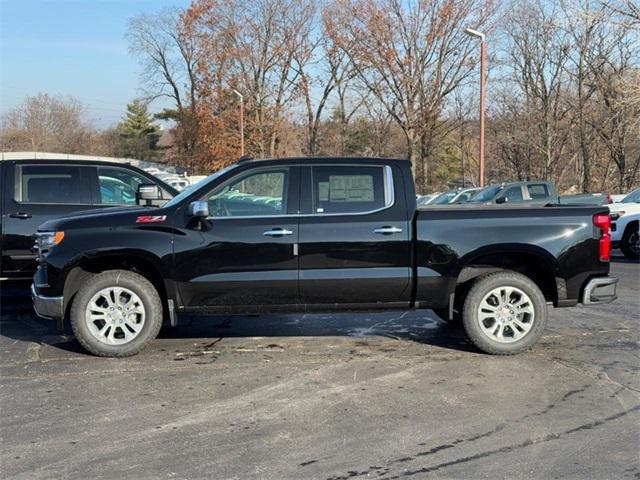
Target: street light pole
[483,81]
[241,121]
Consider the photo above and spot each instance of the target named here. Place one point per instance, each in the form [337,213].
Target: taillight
[603,222]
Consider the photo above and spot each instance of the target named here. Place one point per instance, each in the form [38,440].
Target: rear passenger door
[34,194]
[354,242]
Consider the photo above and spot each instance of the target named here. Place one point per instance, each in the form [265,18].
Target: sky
[72,47]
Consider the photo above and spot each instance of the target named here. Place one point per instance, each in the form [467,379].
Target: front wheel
[504,313]
[116,314]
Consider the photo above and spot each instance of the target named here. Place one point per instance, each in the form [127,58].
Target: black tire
[480,289]
[135,283]
[628,245]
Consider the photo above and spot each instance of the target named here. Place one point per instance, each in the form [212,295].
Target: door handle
[20,215]
[387,230]
[277,232]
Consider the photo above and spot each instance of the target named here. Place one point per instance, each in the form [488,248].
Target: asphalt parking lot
[386,396]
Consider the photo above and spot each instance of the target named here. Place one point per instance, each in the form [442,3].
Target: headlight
[46,240]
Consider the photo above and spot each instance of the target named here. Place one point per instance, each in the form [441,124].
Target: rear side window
[538,191]
[349,189]
[55,184]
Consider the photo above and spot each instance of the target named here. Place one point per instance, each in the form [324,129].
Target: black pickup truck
[319,234]
[35,190]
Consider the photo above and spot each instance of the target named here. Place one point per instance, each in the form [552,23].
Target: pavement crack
[510,448]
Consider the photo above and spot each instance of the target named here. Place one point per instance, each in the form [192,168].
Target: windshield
[486,194]
[445,197]
[633,197]
[192,188]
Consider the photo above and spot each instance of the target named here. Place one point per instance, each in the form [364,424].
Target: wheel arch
[139,262]
[630,226]
[533,262]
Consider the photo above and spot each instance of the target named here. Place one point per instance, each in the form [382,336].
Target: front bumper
[600,290]
[47,307]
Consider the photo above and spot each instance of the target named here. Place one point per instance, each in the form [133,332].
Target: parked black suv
[34,191]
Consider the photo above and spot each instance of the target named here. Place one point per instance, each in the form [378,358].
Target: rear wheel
[630,244]
[116,314]
[504,313]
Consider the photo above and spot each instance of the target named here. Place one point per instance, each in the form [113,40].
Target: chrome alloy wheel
[115,315]
[506,314]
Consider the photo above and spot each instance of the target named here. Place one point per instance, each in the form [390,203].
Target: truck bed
[558,239]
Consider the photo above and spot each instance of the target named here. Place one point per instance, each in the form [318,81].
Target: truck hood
[628,208]
[102,217]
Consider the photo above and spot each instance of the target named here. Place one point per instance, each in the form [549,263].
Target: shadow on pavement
[19,322]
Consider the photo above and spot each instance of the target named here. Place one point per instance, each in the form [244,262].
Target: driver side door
[244,255]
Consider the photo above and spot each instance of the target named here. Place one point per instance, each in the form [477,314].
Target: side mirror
[199,209]
[501,200]
[149,192]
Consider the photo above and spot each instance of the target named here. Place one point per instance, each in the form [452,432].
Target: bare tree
[46,123]
[252,47]
[538,49]
[618,119]
[168,57]
[333,73]
[586,23]
[410,56]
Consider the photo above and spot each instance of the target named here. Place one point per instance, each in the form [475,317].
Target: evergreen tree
[139,136]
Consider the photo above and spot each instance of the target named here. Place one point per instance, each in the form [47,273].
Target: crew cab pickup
[319,234]
[35,190]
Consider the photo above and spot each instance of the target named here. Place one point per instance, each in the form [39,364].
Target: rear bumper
[600,290]
[47,307]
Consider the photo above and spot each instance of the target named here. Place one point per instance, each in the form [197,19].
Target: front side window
[257,194]
[513,194]
[633,197]
[348,189]
[445,198]
[118,186]
[55,184]
[486,194]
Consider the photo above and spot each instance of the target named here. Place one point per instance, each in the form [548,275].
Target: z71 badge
[151,218]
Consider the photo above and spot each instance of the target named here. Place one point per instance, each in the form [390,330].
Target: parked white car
[624,228]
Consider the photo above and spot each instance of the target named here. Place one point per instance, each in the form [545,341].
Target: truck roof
[322,159]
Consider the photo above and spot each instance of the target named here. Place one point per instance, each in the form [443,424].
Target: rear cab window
[350,189]
[538,191]
[52,184]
